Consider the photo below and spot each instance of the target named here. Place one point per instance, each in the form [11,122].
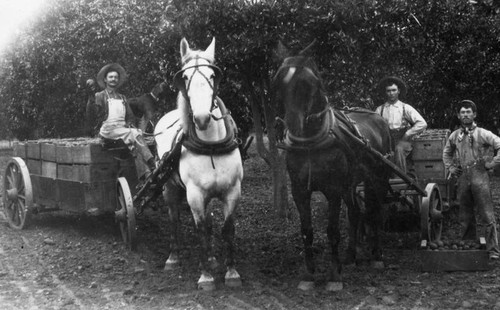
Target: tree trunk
[274,158]
[280,187]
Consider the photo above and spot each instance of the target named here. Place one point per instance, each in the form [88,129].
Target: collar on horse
[223,146]
[327,136]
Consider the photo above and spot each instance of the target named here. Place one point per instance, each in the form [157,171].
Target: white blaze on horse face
[200,81]
[289,75]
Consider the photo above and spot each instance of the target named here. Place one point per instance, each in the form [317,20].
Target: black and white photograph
[249,154]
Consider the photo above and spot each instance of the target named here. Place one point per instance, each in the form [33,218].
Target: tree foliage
[445,50]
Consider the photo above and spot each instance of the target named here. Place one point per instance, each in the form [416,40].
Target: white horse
[210,164]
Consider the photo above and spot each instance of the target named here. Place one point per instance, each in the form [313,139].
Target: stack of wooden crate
[427,157]
[74,174]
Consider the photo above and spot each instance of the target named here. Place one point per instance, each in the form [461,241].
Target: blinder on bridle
[179,82]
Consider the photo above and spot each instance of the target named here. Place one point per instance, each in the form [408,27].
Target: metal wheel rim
[128,223]
[431,229]
[17,209]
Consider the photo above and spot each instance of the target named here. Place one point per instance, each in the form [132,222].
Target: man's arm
[129,115]
[493,140]
[419,123]
[448,157]
[448,153]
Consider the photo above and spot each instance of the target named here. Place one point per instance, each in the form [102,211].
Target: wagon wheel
[17,193]
[431,223]
[125,214]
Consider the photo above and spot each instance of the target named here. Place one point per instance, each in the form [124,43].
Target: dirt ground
[74,261]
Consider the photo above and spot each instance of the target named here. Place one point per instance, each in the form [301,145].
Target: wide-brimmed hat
[390,80]
[111,67]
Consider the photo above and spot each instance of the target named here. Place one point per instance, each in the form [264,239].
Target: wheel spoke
[10,181]
[15,213]
[21,188]
[20,181]
[14,176]
[10,205]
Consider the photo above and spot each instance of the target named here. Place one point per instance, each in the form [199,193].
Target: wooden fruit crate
[74,174]
[454,260]
[429,145]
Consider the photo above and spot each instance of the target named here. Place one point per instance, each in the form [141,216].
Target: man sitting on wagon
[116,115]
[465,156]
[404,121]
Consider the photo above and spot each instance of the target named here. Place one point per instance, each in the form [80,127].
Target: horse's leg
[302,198]
[353,213]
[197,201]
[211,258]
[173,198]
[374,222]
[232,278]
[333,232]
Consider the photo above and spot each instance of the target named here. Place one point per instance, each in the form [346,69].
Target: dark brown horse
[322,156]
[146,105]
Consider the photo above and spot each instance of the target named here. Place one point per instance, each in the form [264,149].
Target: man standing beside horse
[464,155]
[404,121]
[116,117]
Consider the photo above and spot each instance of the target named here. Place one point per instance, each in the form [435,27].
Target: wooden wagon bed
[74,174]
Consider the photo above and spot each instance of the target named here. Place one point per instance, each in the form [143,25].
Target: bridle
[180,84]
[287,64]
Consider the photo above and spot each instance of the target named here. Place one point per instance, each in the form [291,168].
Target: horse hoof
[171,265]
[306,285]
[334,286]
[206,286]
[378,264]
[206,282]
[233,282]
[232,278]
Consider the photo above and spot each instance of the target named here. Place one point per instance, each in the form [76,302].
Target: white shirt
[400,115]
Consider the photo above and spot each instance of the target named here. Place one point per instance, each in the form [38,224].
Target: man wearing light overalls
[465,155]
[404,121]
[118,118]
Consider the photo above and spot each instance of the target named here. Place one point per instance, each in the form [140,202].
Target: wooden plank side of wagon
[394,168]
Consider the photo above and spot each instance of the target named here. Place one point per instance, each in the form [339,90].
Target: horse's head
[198,81]
[299,90]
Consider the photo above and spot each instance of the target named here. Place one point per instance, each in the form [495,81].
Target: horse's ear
[281,52]
[184,47]
[307,50]
[210,51]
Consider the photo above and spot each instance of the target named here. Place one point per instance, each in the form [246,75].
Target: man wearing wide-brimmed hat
[118,117]
[404,121]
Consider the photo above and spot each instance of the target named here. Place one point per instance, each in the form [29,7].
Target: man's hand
[489,165]
[455,171]
[406,137]
[90,83]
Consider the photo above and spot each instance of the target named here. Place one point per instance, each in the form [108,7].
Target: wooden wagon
[85,175]
[76,175]
[427,190]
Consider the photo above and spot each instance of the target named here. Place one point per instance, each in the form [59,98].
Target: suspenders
[404,122]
